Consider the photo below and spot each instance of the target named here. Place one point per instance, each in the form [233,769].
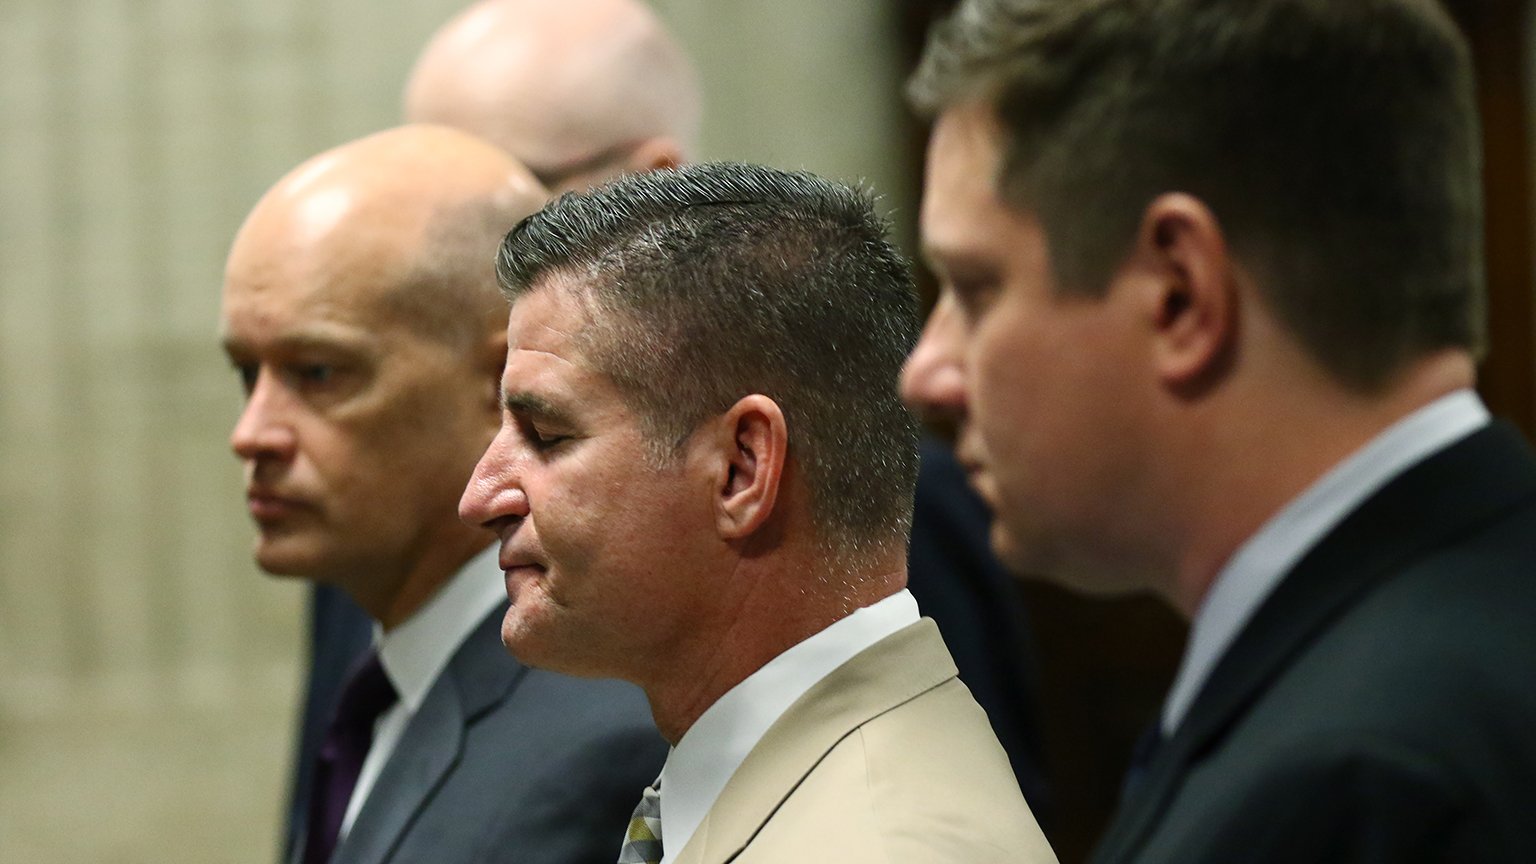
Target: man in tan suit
[703,484]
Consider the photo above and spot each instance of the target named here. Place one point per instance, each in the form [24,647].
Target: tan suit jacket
[886,760]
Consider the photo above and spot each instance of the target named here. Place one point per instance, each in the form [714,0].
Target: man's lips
[269,507]
[977,478]
[512,562]
[510,559]
[516,572]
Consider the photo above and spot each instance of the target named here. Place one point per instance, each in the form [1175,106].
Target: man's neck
[1259,460]
[781,610]
[439,561]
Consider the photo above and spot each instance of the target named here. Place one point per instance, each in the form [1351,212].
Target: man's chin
[286,560]
[519,640]
[1014,555]
[1038,560]
[534,646]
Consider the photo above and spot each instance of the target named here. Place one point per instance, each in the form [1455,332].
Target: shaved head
[408,218]
[579,90]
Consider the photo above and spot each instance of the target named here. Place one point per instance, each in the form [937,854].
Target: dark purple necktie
[367,695]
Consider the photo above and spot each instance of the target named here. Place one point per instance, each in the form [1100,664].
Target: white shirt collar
[714,747]
[415,652]
[1262,561]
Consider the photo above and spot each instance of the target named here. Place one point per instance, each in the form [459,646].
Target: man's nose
[495,493]
[264,430]
[933,378]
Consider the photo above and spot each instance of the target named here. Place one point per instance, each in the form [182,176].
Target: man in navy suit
[1211,306]
[368,335]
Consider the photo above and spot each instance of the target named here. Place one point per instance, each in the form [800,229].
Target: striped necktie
[642,844]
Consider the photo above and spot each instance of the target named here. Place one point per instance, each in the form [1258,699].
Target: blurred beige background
[147,671]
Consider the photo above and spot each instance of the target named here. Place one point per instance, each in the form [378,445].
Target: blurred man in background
[579,90]
[1212,302]
[361,314]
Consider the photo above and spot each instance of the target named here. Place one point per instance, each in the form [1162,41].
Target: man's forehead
[549,350]
[309,303]
[349,269]
[963,154]
[961,204]
[556,309]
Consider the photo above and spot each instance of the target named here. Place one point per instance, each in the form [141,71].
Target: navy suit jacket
[1380,706]
[503,763]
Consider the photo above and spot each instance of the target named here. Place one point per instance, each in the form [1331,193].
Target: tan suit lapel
[894,670]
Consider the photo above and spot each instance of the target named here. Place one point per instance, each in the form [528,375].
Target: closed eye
[536,418]
[540,439]
[247,373]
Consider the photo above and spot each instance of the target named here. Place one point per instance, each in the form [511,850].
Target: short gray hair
[717,281]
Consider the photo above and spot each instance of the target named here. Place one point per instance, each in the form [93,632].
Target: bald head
[406,220]
[579,90]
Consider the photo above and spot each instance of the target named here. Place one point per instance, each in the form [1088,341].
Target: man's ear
[751,444]
[654,154]
[1191,297]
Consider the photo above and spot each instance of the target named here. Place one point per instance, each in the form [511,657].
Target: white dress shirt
[1261,563]
[414,653]
[714,747]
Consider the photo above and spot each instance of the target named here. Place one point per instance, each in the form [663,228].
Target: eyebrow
[535,407]
[951,262]
[318,340]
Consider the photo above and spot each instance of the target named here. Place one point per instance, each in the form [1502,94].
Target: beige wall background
[147,671]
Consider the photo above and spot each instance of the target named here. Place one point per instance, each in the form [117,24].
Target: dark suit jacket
[1381,704]
[507,763]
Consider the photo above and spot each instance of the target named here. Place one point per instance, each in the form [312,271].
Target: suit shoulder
[1445,642]
[1406,719]
[924,782]
[548,773]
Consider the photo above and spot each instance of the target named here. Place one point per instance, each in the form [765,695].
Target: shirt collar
[415,652]
[714,747]
[1260,564]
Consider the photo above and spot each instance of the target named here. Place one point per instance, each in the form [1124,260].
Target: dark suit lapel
[479,676]
[1431,504]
